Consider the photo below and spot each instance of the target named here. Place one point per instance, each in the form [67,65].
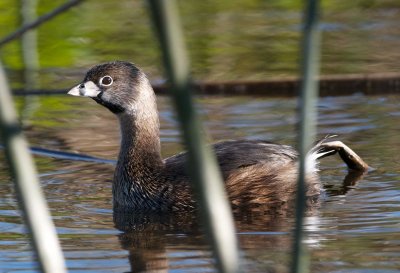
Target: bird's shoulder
[241,153]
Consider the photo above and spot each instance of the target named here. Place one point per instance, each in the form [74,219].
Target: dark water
[356,228]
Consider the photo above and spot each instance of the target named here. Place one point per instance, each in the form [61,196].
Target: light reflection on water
[353,232]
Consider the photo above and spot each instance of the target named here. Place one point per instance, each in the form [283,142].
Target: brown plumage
[256,173]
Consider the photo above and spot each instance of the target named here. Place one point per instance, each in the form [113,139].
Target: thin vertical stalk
[29,48]
[206,178]
[31,198]
[307,129]
[30,56]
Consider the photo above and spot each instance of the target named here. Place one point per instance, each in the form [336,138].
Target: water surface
[356,228]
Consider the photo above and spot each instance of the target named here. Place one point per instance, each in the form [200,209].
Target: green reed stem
[307,129]
[206,178]
[31,199]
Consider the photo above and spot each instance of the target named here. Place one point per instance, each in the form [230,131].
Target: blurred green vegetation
[227,40]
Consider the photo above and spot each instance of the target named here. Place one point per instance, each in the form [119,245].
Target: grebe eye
[106,81]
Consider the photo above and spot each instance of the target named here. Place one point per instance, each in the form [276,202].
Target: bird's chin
[114,108]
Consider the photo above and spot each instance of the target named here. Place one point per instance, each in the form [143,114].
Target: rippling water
[356,228]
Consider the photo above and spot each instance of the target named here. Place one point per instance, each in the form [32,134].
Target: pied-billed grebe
[256,173]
